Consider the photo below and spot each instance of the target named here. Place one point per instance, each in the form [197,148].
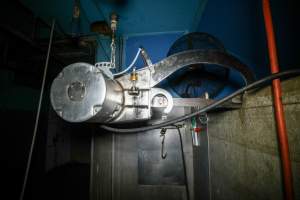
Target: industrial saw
[84,92]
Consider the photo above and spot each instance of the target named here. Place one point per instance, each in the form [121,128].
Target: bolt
[60,75]
[96,108]
[118,107]
[160,101]
[59,112]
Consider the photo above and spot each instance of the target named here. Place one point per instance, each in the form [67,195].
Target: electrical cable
[131,65]
[184,164]
[240,91]
[37,114]
[164,155]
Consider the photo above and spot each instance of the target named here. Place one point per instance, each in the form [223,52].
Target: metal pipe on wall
[37,114]
[279,111]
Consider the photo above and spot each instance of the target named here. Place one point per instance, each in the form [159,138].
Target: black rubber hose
[184,165]
[255,84]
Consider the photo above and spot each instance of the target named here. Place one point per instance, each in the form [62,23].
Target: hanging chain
[113,51]
[113,26]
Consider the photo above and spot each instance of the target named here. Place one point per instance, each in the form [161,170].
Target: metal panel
[101,170]
[201,163]
[118,159]
[129,166]
[152,168]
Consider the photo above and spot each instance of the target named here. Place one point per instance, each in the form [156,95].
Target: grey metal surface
[81,93]
[202,162]
[166,67]
[152,169]
[139,107]
[116,173]
[161,101]
[102,168]
[146,57]
[191,102]
[161,70]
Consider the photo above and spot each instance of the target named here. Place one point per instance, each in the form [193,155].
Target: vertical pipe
[279,112]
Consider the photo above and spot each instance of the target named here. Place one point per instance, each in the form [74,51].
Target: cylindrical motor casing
[81,93]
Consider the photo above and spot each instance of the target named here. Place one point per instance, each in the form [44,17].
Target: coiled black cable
[255,84]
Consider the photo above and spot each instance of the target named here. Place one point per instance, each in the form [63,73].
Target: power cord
[240,91]
[164,155]
[184,164]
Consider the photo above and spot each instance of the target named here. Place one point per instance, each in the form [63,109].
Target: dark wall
[240,26]
[23,49]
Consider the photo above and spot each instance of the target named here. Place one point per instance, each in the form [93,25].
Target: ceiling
[135,16]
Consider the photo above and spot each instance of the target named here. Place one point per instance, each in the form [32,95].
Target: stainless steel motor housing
[81,93]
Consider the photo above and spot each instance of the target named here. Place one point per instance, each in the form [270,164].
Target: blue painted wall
[156,45]
[135,16]
[239,25]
